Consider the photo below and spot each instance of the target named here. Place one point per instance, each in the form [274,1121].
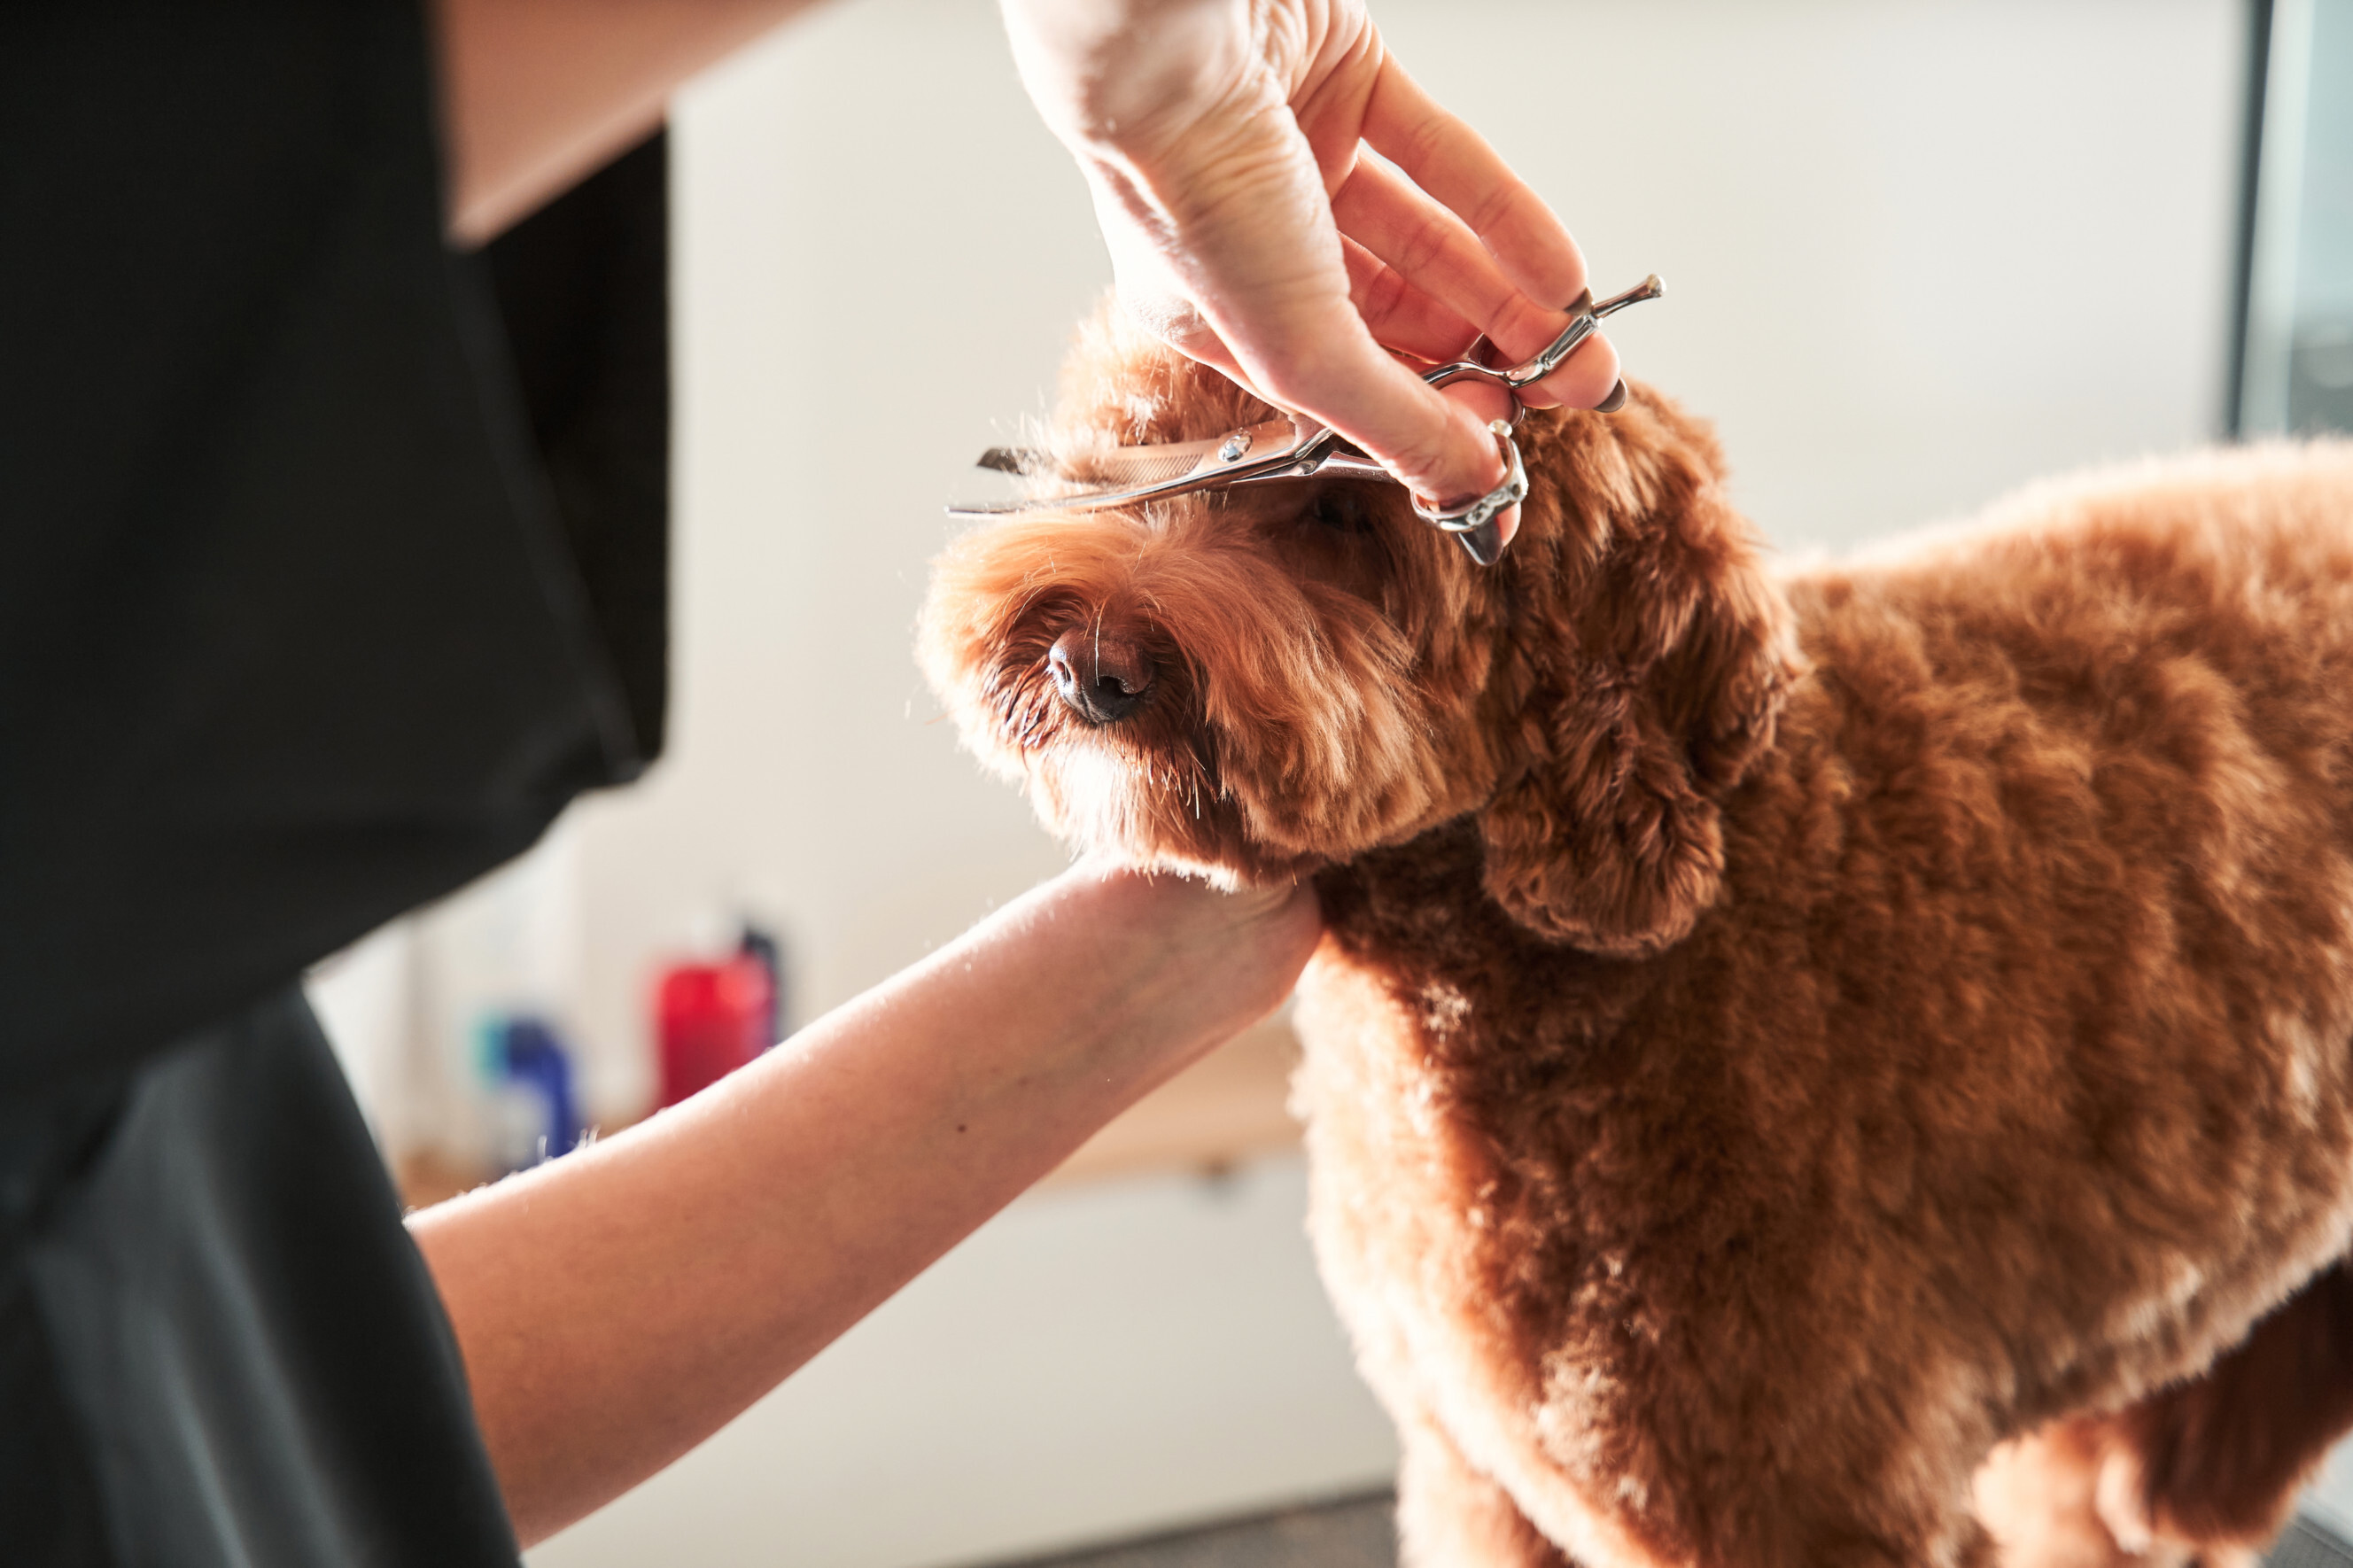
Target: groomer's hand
[1226,141]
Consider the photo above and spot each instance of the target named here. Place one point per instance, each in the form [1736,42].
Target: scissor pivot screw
[1236,445]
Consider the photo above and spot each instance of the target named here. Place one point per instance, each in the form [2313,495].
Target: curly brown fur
[1778,1037]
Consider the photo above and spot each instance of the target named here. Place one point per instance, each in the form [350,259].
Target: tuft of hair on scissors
[1292,446]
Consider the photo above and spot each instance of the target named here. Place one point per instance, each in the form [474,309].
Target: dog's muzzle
[1101,677]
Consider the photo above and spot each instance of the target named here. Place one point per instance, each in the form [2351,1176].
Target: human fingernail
[1615,401]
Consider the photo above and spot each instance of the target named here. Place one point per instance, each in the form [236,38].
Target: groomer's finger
[1314,353]
[1430,249]
[1371,406]
[1436,251]
[1401,315]
[1241,225]
[1431,246]
[1454,163]
[1403,322]
[1335,371]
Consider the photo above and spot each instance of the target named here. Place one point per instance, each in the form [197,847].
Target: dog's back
[2009,1074]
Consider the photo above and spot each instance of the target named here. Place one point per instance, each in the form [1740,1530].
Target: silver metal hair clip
[1293,446]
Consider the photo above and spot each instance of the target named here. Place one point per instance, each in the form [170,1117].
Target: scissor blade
[1128,467]
[1141,474]
[1120,466]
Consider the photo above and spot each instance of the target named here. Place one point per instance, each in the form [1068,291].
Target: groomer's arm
[618,1306]
[537,93]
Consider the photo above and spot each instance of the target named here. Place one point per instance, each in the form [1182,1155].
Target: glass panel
[2298,367]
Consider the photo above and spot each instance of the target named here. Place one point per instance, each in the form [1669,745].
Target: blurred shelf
[1226,1107]
[429,1178]
[1352,1533]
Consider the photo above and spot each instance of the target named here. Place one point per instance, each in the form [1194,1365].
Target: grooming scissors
[1293,446]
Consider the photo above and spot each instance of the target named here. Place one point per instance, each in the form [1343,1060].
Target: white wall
[1917,253]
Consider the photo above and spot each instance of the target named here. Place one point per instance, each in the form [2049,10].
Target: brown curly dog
[1788,1048]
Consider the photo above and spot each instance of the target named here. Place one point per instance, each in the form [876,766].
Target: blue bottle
[531,1077]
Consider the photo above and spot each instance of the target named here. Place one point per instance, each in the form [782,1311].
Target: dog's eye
[1341,508]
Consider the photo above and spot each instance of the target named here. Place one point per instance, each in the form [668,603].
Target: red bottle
[709,1019]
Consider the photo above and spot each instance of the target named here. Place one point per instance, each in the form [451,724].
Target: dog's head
[1257,682]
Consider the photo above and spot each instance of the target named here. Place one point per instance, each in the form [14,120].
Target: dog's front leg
[2203,1471]
[1451,1516]
[2040,1497]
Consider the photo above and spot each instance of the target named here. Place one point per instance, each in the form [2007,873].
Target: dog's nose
[1103,675]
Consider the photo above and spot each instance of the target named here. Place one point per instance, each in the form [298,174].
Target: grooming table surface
[1360,1532]
[1354,1532]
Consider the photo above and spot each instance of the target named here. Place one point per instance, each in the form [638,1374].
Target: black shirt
[331,567]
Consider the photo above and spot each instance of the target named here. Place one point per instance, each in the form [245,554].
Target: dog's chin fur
[1782,1043]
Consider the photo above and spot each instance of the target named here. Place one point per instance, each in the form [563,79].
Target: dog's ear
[1658,655]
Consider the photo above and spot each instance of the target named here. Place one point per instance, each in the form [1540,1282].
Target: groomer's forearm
[618,1306]
[536,93]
